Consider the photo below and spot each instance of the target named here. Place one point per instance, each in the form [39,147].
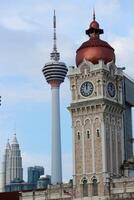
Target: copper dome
[94,49]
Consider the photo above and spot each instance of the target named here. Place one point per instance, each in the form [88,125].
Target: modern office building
[34,174]
[127,116]
[17,185]
[43,182]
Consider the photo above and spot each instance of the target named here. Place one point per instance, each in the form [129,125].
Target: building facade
[34,174]
[19,186]
[44,182]
[12,164]
[128,104]
[100,110]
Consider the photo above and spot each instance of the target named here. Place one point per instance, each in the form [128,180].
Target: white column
[73,153]
[122,140]
[93,152]
[83,150]
[103,146]
[116,143]
[56,138]
[111,150]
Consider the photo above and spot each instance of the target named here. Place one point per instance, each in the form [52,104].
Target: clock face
[111,89]
[86,89]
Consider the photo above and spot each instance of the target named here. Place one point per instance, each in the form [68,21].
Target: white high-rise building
[12,164]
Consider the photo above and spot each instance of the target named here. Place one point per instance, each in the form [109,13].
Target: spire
[8,145]
[14,141]
[94,17]
[55,56]
[94,29]
[54,27]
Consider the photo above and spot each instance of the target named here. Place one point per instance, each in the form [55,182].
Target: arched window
[85,188]
[95,187]
[98,132]
[78,134]
[88,134]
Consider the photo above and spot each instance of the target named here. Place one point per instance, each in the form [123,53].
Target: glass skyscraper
[34,174]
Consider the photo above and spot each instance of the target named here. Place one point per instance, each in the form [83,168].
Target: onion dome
[95,49]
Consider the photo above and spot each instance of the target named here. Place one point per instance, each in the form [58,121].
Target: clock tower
[96,109]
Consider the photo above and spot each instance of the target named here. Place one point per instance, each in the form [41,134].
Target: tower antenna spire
[55,56]
[54,27]
[94,17]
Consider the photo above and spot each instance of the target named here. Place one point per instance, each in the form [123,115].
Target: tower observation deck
[55,72]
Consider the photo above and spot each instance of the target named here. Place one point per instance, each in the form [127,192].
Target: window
[95,187]
[98,132]
[88,134]
[85,188]
[78,135]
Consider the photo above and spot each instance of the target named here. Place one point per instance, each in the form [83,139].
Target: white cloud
[16,23]
[124,51]
[105,8]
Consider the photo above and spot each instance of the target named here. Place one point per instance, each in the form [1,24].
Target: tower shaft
[55,73]
[56,138]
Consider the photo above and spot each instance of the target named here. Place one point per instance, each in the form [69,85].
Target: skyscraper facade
[12,163]
[34,174]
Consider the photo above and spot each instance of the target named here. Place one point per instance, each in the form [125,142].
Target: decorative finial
[55,56]
[94,14]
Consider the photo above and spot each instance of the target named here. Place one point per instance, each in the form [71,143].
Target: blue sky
[25,45]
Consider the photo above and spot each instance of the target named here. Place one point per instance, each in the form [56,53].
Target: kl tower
[55,72]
